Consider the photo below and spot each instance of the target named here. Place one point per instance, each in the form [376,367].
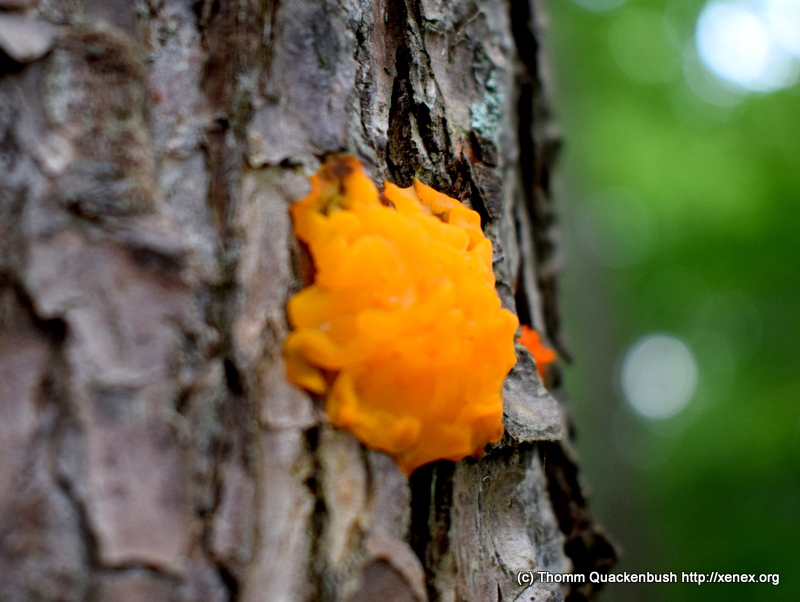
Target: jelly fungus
[402,331]
[542,355]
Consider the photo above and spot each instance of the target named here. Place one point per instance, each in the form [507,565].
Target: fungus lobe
[402,331]
[542,354]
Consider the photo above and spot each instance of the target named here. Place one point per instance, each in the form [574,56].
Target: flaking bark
[151,447]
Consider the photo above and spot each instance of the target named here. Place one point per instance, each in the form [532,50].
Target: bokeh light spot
[783,17]
[738,45]
[659,376]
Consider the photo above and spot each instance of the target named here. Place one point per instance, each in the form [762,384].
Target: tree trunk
[151,447]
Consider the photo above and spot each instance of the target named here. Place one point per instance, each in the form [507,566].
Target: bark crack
[317,523]
[538,149]
[587,545]
[431,505]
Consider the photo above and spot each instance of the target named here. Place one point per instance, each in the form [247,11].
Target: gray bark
[151,447]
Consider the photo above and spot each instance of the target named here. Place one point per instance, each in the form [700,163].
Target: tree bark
[151,447]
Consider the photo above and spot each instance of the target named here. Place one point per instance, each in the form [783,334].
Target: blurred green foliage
[681,217]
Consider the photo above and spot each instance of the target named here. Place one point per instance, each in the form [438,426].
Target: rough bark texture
[151,448]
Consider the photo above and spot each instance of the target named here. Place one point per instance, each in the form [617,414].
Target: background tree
[151,448]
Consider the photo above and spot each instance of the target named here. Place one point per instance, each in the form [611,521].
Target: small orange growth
[542,355]
[402,329]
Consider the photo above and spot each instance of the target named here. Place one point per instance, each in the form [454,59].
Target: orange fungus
[542,355]
[402,330]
